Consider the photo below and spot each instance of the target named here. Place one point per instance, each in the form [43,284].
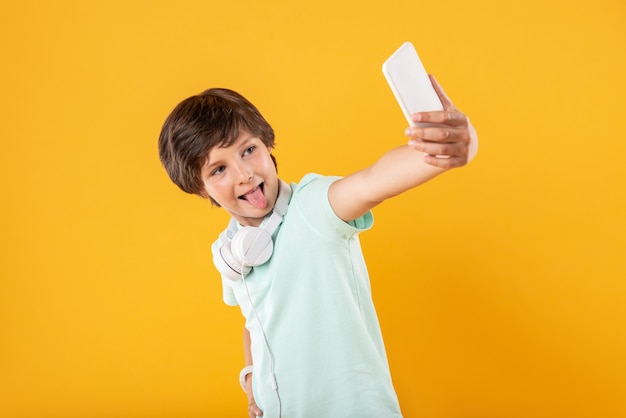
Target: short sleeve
[312,201]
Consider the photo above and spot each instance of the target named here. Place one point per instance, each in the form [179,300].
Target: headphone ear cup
[228,265]
[252,246]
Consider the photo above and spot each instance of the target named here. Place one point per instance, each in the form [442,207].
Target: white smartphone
[410,83]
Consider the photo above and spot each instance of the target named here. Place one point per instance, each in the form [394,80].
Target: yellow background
[500,287]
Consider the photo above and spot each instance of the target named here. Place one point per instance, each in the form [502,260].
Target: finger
[447,117]
[439,134]
[445,100]
[444,161]
[434,148]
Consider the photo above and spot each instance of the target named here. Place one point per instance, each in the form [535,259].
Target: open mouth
[255,190]
[256,196]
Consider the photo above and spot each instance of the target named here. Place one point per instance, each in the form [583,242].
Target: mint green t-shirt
[315,327]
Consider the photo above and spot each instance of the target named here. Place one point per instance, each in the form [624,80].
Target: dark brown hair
[213,118]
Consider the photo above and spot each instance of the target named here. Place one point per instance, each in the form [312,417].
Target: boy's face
[242,178]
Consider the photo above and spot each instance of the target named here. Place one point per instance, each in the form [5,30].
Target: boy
[291,258]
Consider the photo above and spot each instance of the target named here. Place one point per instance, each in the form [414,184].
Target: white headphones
[250,246]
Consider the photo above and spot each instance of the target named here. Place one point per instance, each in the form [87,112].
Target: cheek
[269,163]
[212,192]
[207,192]
[211,199]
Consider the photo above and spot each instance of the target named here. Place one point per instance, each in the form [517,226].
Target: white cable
[267,346]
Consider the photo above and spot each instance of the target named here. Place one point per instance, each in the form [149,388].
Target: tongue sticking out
[256,198]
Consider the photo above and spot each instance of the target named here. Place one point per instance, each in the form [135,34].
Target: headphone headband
[284,195]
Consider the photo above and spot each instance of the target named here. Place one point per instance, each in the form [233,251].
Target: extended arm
[449,134]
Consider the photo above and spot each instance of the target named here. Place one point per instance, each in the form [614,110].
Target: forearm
[253,409]
[247,352]
[397,171]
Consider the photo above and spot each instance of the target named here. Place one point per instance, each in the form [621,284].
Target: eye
[218,170]
[249,150]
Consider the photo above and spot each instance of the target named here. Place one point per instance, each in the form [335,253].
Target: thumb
[445,100]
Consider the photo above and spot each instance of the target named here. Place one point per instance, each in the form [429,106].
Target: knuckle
[444,162]
[443,135]
[463,136]
[458,118]
[455,162]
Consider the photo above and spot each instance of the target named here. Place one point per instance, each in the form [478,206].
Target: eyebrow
[209,167]
[243,142]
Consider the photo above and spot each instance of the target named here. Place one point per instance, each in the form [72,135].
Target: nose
[243,172]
